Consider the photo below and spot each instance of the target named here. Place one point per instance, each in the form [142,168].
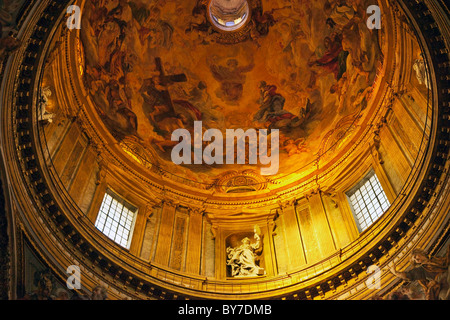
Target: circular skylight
[229,15]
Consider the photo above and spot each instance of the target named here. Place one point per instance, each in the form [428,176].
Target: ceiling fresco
[304,67]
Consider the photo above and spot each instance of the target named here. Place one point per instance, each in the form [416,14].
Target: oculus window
[368,201]
[229,15]
[116,219]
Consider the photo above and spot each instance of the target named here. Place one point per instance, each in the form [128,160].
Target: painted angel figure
[242,259]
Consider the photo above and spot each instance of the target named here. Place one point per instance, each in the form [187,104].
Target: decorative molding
[240,181]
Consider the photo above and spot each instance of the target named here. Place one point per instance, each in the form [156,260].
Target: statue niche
[244,260]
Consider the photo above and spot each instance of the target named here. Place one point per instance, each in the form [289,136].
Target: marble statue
[242,259]
[421,72]
[44,114]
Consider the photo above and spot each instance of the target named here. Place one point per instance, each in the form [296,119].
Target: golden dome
[359,113]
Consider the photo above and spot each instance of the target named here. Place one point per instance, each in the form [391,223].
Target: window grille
[116,219]
[368,201]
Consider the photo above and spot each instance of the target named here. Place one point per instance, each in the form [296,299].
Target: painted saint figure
[271,111]
[332,61]
[232,79]
[272,104]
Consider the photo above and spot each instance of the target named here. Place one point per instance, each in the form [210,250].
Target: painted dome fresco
[307,68]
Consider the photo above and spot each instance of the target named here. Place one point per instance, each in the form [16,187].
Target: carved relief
[178,243]
[377,144]
[101,173]
[240,181]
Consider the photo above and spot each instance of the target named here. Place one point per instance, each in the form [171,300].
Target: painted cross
[166,80]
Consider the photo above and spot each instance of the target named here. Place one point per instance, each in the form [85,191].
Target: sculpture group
[243,260]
